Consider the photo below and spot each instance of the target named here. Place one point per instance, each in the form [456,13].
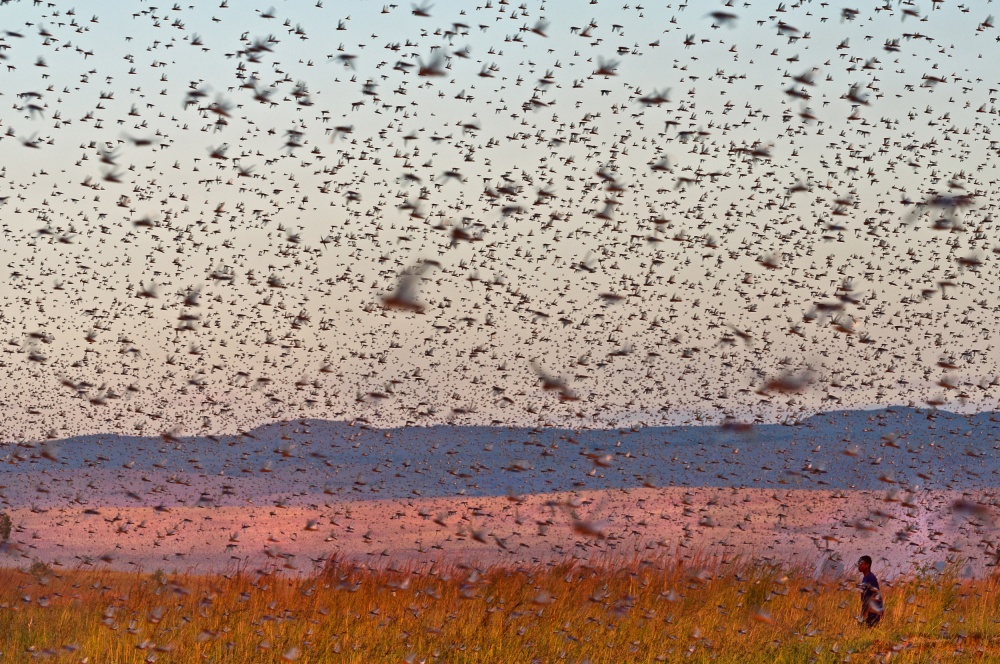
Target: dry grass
[635,611]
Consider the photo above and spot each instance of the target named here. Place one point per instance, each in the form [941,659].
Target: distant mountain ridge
[890,448]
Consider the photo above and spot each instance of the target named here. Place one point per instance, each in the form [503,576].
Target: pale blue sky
[325,132]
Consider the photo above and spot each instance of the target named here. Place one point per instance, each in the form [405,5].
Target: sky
[583,214]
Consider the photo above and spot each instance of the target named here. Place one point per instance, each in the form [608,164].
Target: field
[638,610]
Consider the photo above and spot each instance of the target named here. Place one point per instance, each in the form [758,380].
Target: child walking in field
[871,597]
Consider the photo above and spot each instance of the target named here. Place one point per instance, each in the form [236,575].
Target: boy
[871,598]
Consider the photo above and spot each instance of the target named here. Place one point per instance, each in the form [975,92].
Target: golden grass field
[638,610]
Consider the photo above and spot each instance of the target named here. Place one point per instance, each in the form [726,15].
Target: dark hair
[865,559]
